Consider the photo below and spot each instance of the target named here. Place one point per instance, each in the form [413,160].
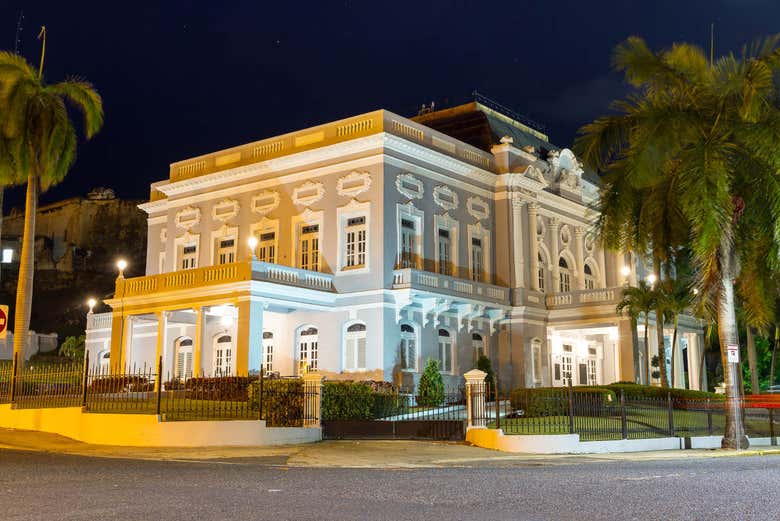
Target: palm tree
[675,299]
[709,131]
[639,300]
[40,143]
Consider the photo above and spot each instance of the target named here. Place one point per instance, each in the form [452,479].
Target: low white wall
[144,430]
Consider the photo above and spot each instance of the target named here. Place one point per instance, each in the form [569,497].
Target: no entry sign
[3,321]
[732,353]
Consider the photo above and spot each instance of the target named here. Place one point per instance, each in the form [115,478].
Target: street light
[252,245]
[121,264]
[91,302]
[651,279]
[625,271]
[695,291]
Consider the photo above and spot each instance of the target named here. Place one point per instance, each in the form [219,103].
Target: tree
[484,365]
[639,301]
[40,147]
[73,347]
[675,298]
[430,390]
[708,131]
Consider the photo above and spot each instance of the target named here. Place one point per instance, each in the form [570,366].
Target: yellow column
[117,340]
[162,327]
[197,346]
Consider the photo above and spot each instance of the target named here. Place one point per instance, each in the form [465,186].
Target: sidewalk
[346,454]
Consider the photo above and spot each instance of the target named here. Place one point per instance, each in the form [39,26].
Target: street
[46,486]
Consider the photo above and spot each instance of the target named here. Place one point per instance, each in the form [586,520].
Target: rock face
[77,243]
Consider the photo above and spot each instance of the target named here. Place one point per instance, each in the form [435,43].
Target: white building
[382,242]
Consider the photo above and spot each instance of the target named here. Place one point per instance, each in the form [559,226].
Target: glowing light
[651,279]
[695,291]
[121,264]
[252,244]
[91,302]
[625,271]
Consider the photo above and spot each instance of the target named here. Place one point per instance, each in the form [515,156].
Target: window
[309,248]
[268,352]
[478,343]
[223,356]
[408,348]
[184,358]
[445,252]
[355,347]
[590,280]
[592,367]
[540,274]
[445,351]
[536,354]
[226,250]
[266,247]
[564,276]
[477,260]
[8,255]
[189,256]
[355,243]
[408,244]
[308,345]
[566,367]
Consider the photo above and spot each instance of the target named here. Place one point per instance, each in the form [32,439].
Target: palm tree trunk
[659,328]
[752,362]
[674,345]
[774,356]
[24,287]
[647,350]
[734,434]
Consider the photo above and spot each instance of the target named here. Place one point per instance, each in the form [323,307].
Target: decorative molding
[445,197]
[478,208]
[565,234]
[409,186]
[354,183]
[589,243]
[187,217]
[225,210]
[308,193]
[265,202]
[535,174]
[163,235]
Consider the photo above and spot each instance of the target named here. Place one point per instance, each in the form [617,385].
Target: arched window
[478,343]
[355,347]
[308,347]
[540,273]
[184,358]
[268,351]
[445,351]
[564,276]
[223,355]
[408,348]
[590,280]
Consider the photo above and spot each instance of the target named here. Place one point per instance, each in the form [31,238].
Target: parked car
[774,389]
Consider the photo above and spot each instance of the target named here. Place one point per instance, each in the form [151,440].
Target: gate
[392,413]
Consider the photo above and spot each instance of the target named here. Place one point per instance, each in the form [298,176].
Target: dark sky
[186,78]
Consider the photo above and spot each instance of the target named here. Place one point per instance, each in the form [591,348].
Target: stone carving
[225,209]
[445,197]
[353,184]
[187,217]
[534,173]
[308,193]
[265,202]
[478,208]
[409,186]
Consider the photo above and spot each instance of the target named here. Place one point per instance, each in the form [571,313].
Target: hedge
[553,401]
[227,388]
[120,383]
[347,400]
[282,401]
[638,391]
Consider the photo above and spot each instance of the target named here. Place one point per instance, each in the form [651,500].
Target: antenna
[17,39]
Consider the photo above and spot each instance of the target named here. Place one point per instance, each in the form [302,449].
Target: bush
[638,391]
[120,384]
[347,401]
[554,401]
[282,401]
[73,347]
[484,365]
[223,388]
[430,390]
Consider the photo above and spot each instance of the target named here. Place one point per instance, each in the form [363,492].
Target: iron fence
[6,369]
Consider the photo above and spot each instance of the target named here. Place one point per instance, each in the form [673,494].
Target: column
[602,260]
[117,340]
[127,348]
[162,333]
[554,253]
[475,399]
[197,342]
[312,400]
[579,253]
[533,249]
[629,364]
[517,241]
[249,341]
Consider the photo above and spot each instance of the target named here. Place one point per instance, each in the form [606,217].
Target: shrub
[282,401]
[554,401]
[638,391]
[227,388]
[430,390]
[120,383]
[483,364]
[73,347]
[347,401]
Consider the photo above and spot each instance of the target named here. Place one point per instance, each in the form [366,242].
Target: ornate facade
[381,242]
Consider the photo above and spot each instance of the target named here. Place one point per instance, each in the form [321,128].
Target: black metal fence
[599,415]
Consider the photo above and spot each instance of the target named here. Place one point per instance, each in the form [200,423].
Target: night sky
[190,78]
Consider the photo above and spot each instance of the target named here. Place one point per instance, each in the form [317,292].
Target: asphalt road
[52,487]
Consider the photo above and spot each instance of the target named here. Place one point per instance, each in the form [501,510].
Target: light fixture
[91,302]
[121,265]
[252,245]
[695,291]
[651,279]
[625,271]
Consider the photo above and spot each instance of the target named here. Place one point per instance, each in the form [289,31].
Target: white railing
[411,278]
[587,296]
[98,321]
[292,276]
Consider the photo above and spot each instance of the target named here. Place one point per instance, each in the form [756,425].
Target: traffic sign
[3,321]
[732,353]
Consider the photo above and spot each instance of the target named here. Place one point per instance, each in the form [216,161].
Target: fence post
[495,399]
[260,394]
[475,399]
[709,417]
[772,438]
[570,396]
[671,414]
[85,379]
[159,384]
[14,371]
[312,400]
[623,417]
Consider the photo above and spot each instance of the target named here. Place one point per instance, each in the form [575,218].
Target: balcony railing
[223,274]
[416,279]
[582,297]
[98,321]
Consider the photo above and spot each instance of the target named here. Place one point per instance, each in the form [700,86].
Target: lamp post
[91,302]
[625,271]
[651,279]
[121,265]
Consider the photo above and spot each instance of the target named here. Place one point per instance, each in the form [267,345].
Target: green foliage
[632,390]
[358,400]
[763,363]
[430,390]
[73,347]
[283,401]
[553,401]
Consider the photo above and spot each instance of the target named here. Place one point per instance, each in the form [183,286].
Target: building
[381,242]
